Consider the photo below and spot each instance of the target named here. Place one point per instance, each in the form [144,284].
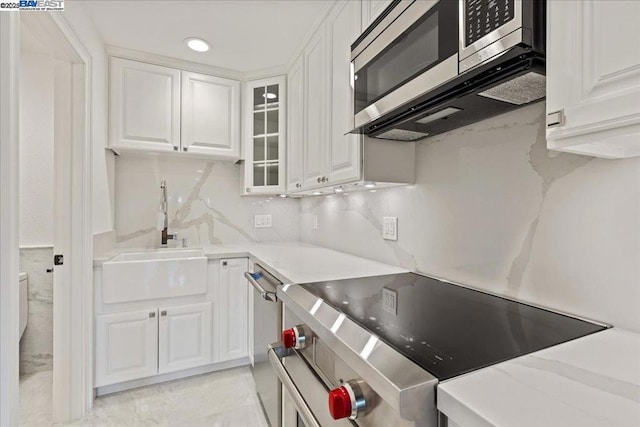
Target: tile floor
[220,399]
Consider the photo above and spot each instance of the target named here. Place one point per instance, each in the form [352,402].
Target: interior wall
[36,149]
[102,183]
[494,209]
[205,206]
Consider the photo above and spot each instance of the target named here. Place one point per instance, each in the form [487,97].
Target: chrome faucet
[163,216]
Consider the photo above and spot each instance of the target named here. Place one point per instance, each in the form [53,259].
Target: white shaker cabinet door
[126,346]
[295,83]
[343,24]
[593,77]
[233,294]
[185,337]
[210,116]
[315,76]
[144,111]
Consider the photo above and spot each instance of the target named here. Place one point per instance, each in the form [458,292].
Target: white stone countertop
[292,262]
[590,381]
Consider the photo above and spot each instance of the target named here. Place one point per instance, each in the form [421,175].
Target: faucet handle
[179,242]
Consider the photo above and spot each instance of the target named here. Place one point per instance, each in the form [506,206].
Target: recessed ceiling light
[270,95]
[338,190]
[284,196]
[316,193]
[197,44]
[370,185]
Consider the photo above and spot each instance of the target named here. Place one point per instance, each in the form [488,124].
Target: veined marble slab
[590,381]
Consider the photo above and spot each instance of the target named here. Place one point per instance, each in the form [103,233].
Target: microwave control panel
[483,16]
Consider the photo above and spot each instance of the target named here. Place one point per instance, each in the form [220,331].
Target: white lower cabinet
[167,335]
[233,302]
[140,344]
[126,346]
[184,337]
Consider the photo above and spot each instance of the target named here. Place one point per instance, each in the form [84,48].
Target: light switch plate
[262,221]
[390,228]
[314,222]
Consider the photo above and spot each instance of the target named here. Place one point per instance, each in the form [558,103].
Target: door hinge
[555,119]
[58,259]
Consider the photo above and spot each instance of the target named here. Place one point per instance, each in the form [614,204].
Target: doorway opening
[54,231]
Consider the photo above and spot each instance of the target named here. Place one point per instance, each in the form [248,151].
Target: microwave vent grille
[401,135]
[520,90]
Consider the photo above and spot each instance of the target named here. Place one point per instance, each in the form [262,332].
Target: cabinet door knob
[248,190]
[185,149]
[319,179]
[224,263]
[152,314]
[325,179]
[163,313]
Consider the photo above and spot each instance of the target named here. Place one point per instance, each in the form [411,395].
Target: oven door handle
[266,295]
[276,352]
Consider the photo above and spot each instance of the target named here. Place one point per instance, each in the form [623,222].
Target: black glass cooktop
[447,329]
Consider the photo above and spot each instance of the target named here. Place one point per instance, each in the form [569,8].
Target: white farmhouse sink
[134,276]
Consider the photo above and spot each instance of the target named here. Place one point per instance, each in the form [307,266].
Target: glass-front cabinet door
[264,136]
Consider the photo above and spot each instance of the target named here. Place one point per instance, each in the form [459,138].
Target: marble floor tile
[224,399]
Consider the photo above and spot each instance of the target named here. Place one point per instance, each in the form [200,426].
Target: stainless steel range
[372,351]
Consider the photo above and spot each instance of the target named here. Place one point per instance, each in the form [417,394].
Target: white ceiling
[245,35]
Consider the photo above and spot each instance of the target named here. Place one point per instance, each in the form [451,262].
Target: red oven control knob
[346,401]
[294,337]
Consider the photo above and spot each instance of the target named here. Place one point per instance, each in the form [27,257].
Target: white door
[184,337]
[315,147]
[343,27]
[210,116]
[144,106]
[295,83]
[371,9]
[126,346]
[593,77]
[233,305]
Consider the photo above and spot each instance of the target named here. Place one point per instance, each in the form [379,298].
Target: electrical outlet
[390,228]
[314,222]
[262,221]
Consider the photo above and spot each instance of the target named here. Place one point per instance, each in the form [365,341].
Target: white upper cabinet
[265,136]
[144,106]
[295,86]
[343,27]
[210,115]
[371,9]
[184,337]
[593,77]
[314,144]
[156,108]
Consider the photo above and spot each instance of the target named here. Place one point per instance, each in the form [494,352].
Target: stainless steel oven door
[411,51]
[304,394]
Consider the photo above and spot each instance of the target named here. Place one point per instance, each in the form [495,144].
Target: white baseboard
[115,388]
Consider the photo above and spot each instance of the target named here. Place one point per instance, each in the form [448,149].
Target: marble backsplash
[205,206]
[36,345]
[494,209]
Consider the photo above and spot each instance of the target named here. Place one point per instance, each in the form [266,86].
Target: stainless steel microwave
[428,66]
